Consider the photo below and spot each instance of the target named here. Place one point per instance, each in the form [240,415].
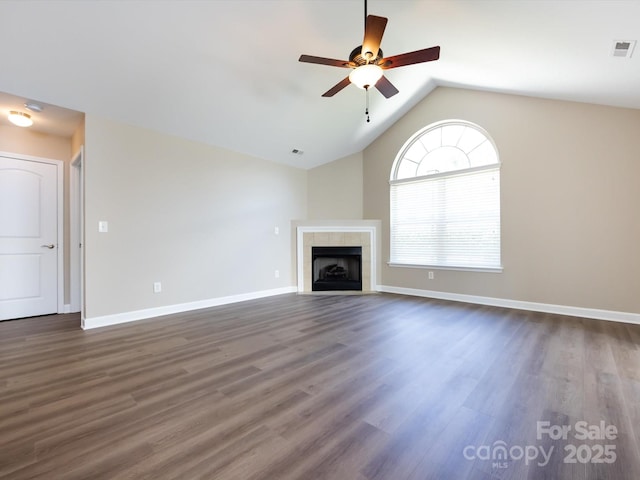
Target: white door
[28,238]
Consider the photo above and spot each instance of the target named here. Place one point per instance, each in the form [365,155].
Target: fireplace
[336,268]
[338,233]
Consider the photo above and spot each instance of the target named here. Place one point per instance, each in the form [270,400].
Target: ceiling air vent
[623,48]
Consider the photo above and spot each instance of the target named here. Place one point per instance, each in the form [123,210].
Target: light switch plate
[103,226]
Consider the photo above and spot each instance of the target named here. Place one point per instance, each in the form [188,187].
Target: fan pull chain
[366,110]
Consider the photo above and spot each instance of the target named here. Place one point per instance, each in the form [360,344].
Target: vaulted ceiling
[226,72]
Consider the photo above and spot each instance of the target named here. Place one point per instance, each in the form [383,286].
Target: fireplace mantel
[362,233]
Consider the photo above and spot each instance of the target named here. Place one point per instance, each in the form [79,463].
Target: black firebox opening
[336,268]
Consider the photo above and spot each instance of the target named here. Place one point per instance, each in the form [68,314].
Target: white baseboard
[115,319]
[69,308]
[611,315]
[594,313]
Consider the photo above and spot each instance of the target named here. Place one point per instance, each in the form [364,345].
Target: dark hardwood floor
[373,387]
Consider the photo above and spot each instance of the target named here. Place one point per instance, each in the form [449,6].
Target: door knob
[50,246]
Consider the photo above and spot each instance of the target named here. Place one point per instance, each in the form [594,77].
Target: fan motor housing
[356,57]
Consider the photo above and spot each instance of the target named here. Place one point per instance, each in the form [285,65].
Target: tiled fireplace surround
[356,233]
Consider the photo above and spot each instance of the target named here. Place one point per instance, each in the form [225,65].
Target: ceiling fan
[368,62]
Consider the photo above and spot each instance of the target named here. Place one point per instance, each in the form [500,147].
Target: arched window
[445,199]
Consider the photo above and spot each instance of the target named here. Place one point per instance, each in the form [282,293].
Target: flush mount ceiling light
[20,119]
[34,107]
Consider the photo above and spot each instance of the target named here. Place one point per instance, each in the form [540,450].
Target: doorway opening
[76,233]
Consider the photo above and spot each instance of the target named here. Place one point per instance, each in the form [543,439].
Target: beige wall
[29,142]
[335,189]
[77,139]
[570,198]
[197,218]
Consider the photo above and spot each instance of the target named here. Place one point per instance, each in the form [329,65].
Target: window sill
[457,269]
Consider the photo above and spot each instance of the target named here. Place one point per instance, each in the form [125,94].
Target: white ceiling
[226,72]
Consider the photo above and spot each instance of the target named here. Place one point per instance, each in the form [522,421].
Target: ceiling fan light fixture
[20,119]
[365,76]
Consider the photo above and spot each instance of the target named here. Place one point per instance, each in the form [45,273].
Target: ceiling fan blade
[373,31]
[419,56]
[336,88]
[386,88]
[326,61]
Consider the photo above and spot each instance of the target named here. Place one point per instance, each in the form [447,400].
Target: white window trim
[493,166]
[440,267]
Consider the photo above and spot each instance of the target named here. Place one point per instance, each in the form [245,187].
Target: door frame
[59,164]
[76,232]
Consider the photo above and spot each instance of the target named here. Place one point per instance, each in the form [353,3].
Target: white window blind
[450,220]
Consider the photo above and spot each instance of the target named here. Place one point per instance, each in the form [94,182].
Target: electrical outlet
[277,274]
[276,230]
[157,287]
[431,276]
